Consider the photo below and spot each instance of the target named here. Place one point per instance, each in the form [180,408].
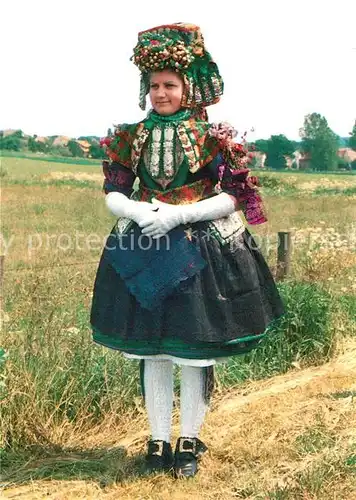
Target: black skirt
[225,309]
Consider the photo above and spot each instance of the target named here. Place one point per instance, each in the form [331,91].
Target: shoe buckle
[159,451]
[191,442]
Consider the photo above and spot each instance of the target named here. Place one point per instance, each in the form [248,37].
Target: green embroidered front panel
[163,154]
[178,180]
[166,140]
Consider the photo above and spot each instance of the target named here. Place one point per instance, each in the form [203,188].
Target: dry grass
[309,182]
[79,176]
[290,437]
[325,182]
[323,233]
[25,169]
[52,225]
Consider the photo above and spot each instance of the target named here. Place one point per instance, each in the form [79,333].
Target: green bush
[56,376]
[303,334]
[96,151]
[37,146]
[75,149]
[61,151]
[10,142]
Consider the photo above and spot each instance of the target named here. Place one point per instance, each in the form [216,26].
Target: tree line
[18,142]
[319,144]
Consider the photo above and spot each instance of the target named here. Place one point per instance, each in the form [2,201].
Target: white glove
[121,206]
[157,224]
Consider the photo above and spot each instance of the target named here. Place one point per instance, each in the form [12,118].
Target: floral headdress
[179,47]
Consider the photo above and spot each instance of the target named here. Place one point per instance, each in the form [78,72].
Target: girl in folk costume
[181,279]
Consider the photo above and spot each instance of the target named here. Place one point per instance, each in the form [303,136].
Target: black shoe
[159,456]
[187,453]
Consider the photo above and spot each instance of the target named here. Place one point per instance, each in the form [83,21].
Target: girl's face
[166,91]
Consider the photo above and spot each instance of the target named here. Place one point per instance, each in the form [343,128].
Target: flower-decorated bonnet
[179,47]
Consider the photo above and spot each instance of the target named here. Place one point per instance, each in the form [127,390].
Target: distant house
[258,158]
[85,146]
[43,140]
[61,140]
[304,161]
[347,154]
[292,161]
[8,131]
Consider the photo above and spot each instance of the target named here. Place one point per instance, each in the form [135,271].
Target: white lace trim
[177,360]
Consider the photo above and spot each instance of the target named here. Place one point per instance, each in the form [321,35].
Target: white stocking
[158,382]
[192,405]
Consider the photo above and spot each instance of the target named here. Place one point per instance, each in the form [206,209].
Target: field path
[269,436]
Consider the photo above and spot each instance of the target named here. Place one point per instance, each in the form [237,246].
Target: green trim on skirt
[178,348]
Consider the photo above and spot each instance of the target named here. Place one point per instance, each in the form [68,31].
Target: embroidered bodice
[181,158]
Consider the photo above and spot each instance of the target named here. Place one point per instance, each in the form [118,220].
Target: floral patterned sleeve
[231,175]
[244,187]
[117,178]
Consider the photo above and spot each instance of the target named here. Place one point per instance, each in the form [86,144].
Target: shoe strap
[155,447]
[191,445]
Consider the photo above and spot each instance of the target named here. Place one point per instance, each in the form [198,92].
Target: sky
[66,66]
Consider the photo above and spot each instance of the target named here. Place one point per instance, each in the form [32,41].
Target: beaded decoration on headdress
[179,47]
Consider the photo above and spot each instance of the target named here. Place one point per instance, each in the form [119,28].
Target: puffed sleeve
[244,187]
[118,172]
[238,183]
[117,177]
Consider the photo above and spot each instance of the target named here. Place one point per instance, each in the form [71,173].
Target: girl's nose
[161,91]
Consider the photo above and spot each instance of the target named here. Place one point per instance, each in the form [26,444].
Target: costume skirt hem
[204,351]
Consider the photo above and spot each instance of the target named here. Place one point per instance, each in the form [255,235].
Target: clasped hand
[158,222]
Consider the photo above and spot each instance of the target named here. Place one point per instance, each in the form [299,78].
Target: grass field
[71,409]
